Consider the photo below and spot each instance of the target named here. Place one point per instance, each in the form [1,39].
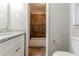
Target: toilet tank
[74,45]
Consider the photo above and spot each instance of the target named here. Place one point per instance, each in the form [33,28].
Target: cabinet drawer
[6,46]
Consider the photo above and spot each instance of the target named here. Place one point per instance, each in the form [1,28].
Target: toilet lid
[62,53]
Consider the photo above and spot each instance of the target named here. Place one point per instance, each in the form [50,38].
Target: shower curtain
[38,25]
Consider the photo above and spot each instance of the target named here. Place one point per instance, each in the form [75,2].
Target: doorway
[37,40]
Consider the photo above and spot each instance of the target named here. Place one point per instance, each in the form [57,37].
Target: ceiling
[37,8]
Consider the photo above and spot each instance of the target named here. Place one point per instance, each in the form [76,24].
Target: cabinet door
[6,46]
[11,52]
[20,51]
[20,48]
[13,47]
[20,45]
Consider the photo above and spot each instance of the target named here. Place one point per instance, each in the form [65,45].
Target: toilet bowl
[74,48]
[62,53]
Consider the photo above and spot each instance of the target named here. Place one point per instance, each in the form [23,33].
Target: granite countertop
[4,36]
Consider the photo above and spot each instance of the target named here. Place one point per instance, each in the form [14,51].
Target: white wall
[77,13]
[17,21]
[59,27]
[3,15]
[73,29]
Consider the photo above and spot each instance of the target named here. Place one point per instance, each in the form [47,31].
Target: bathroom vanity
[12,43]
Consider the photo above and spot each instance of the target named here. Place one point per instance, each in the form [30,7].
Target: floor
[36,51]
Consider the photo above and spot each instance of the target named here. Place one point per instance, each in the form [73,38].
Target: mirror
[3,16]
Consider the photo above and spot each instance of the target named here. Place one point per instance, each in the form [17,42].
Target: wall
[74,29]
[59,16]
[3,16]
[77,14]
[17,21]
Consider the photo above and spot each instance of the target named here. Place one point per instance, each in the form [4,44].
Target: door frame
[27,27]
[47,28]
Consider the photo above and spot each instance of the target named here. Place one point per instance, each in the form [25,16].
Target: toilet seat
[62,53]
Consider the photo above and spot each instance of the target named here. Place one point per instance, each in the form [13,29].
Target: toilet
[74,48]
[62,53]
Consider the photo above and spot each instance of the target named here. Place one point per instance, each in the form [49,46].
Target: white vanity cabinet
[20,45]
[13,46]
